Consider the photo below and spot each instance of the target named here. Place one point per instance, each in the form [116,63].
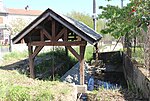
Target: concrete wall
[136,79]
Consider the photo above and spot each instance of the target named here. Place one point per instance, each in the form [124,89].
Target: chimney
[27,7]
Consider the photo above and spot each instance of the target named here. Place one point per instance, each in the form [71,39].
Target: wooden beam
[31,61]
[74,52]
[53,29]
[66,50]
[42,35]
[60,34]
[60,43]
[46,33]
[36,51]
[82,67]
[49,18]
[16,40]
[96,52]
[66,34]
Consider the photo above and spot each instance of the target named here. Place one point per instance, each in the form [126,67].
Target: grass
[138,55]
[55,58]
[17,87]
[15,56]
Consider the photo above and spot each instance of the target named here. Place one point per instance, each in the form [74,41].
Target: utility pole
[94,14]
[121,3]
[94,27]
[123,38]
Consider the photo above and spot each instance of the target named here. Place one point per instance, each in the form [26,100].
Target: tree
[131,18]
[147,50]
[129,21]
[18,24]
[85,18]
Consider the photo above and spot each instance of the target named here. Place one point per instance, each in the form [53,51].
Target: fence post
[10,47]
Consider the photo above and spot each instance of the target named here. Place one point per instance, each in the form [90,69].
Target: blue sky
[62,6]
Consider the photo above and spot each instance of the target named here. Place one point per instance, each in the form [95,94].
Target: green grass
[47,60]
[138,55]
[17,87]
[89,53]
[14,56]
[56,57]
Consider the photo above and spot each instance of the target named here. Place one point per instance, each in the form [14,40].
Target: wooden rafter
[46,34]
[61,43]
[74,52]
[60,34]
[53,29]
[42,35]
[66,35]
[36,51]
[49,18]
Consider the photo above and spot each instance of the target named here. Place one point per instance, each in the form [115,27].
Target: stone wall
[136,79]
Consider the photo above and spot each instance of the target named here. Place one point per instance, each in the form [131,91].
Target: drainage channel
[106,74]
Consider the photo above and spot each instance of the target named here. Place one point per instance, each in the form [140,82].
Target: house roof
[75,26]
[23,12]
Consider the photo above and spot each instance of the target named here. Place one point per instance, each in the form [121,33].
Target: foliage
[18,24]
[87,19]
[130,19]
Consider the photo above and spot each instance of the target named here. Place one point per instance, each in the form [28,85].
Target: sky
[62,6]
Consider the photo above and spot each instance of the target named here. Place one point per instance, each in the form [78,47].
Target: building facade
[13,20]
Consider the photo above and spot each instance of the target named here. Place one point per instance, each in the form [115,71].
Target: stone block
[81,88]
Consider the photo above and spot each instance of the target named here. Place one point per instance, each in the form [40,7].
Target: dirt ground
[115,95]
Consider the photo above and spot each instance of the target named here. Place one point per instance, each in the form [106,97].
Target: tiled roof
[23,11]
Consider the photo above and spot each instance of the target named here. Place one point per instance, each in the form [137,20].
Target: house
[12,17]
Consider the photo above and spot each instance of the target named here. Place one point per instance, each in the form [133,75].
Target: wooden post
[65,39]
[66,50]
[53,30]
[96,53]
[82,51]
[10,45]
[31,61]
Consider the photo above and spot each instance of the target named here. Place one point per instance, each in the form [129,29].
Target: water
[108,85]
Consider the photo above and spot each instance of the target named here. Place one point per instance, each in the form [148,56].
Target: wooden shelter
[53,29]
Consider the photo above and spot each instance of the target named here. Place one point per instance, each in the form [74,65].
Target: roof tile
[23,11]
